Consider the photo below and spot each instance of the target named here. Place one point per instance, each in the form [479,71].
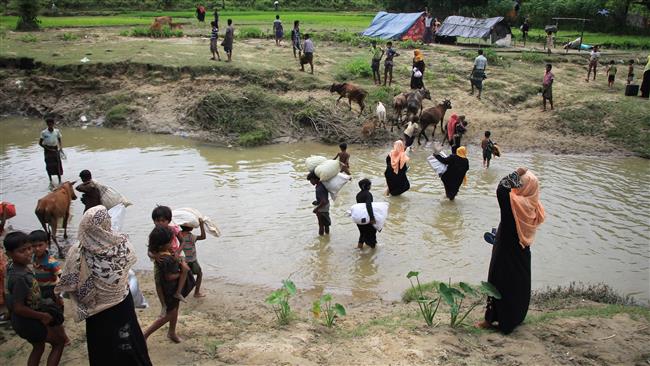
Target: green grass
[606,311]
[429,288]
[118,115]
[355,69]
[591,38]
[165,32]
[625,121]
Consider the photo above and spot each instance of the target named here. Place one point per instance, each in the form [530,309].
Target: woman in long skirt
[645,85]
[396,169]
[521,214]
[367,232]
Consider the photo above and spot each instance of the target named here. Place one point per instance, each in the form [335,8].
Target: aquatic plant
[454,297]
[324,306]
[425,302]
[279,301]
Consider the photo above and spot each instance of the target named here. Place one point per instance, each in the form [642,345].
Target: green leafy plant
[331,312]
[251,32]
[29,38]
[428,306]
[69,37]
[165,32]
[454,297]
[279,301]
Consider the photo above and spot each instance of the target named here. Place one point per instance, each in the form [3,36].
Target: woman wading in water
[396,168]
[521,214]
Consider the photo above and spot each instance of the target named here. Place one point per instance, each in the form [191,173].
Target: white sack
[327,169]
[335,184]
[360,216]
[138,298]
[110,197]
[117,217]
[190,217]
[313,161]
[436,165]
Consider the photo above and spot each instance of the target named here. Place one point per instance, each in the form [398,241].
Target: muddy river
[597,228]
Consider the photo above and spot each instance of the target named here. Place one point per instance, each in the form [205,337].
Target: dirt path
[232,325]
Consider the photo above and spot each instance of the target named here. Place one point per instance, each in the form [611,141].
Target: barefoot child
[170,275]
[322,203]
[388,63]
[308,56]
[228,40]
[295,39]
[611,74]
[25,304]
[213,41]
[410,132]
[188,245]
[377,54]
[630,72]
[344,158]
[487,145]
[162,217]
[547,86]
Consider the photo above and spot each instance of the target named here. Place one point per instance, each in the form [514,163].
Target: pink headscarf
[527,208]
[451,126]
[398,156]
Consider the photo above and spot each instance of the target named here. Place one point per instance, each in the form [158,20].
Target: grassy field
[606,40]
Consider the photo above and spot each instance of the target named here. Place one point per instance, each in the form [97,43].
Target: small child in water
[487,146]
[344,158]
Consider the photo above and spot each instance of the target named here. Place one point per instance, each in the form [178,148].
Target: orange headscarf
[418,55]
[398,156]
[462,152]
[451,126]
[527,208]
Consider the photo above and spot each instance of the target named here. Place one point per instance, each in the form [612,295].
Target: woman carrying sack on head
[96,277]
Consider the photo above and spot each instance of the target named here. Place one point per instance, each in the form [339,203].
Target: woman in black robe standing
[521,214]
[456,174]
[367,232]
[396,169]
[417,82]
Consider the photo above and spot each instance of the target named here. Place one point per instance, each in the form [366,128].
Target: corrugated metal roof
[457,26]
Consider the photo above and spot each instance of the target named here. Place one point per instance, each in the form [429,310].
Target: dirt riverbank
[232,325]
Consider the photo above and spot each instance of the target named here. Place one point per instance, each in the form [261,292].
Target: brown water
[597,228]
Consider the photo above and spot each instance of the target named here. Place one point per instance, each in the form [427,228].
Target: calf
[381,114]
[350,91]
[53,206]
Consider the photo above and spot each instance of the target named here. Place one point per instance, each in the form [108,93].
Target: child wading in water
[188,245]
[487,146]
[611,74]
[547,87]
[162,217]
[31,317]
[344,158]
[322,203]
[388,63]
[169,279]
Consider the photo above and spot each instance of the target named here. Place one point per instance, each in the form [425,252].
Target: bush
[410,44]
[251,32]
[118,115]
[533,57]
[356,68]
[69,37]
[600,293]
[254,138]
[29,38]
[28,12]
[165,32]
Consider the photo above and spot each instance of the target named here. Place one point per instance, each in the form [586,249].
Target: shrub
[410,44]
[532,57]
[28,12]
[356,68]
[118,115]
[165,32]
[425,302]
[279,301]
[454,297]
[69,37]
[331,312]
[29,38]
[254,138]
[251,32]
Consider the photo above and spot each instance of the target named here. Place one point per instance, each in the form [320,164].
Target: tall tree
[28,15]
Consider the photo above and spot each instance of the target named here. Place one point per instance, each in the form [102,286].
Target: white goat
[381,115]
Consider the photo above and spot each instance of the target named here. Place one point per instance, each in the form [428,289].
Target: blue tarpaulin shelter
[396,26]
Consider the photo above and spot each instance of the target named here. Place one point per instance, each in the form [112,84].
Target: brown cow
[53,206]
[352,92]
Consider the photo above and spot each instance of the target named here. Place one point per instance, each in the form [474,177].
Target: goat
[431,116]
[352,92]
[399,104]
[414,102]
[381,114]
[368,127]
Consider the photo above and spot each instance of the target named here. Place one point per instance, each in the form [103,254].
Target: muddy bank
[232,325]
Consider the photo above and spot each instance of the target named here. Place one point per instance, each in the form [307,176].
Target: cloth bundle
[110,197]
[359,214]
[190,217]
[436,165]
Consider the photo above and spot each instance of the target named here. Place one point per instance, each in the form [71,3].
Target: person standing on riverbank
[308,56]
[377,54]
[478,73]
[522,212]
[389,63]
[547,87]
[214,36]
[417,71]
[611,74]
[52,146]
[322,203]
[594,56]
[228,40]
[524,31]
[200,13]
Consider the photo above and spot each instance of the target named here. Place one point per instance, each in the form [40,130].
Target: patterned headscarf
[96,272]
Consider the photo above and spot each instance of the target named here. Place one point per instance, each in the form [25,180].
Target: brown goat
[352,92]
[368,127]
[399,104]
[52,207]
[431,116]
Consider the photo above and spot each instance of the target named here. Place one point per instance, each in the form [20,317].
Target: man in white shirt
[594,56]
[308,56]
[478,73]
[50,141]
[428,31]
